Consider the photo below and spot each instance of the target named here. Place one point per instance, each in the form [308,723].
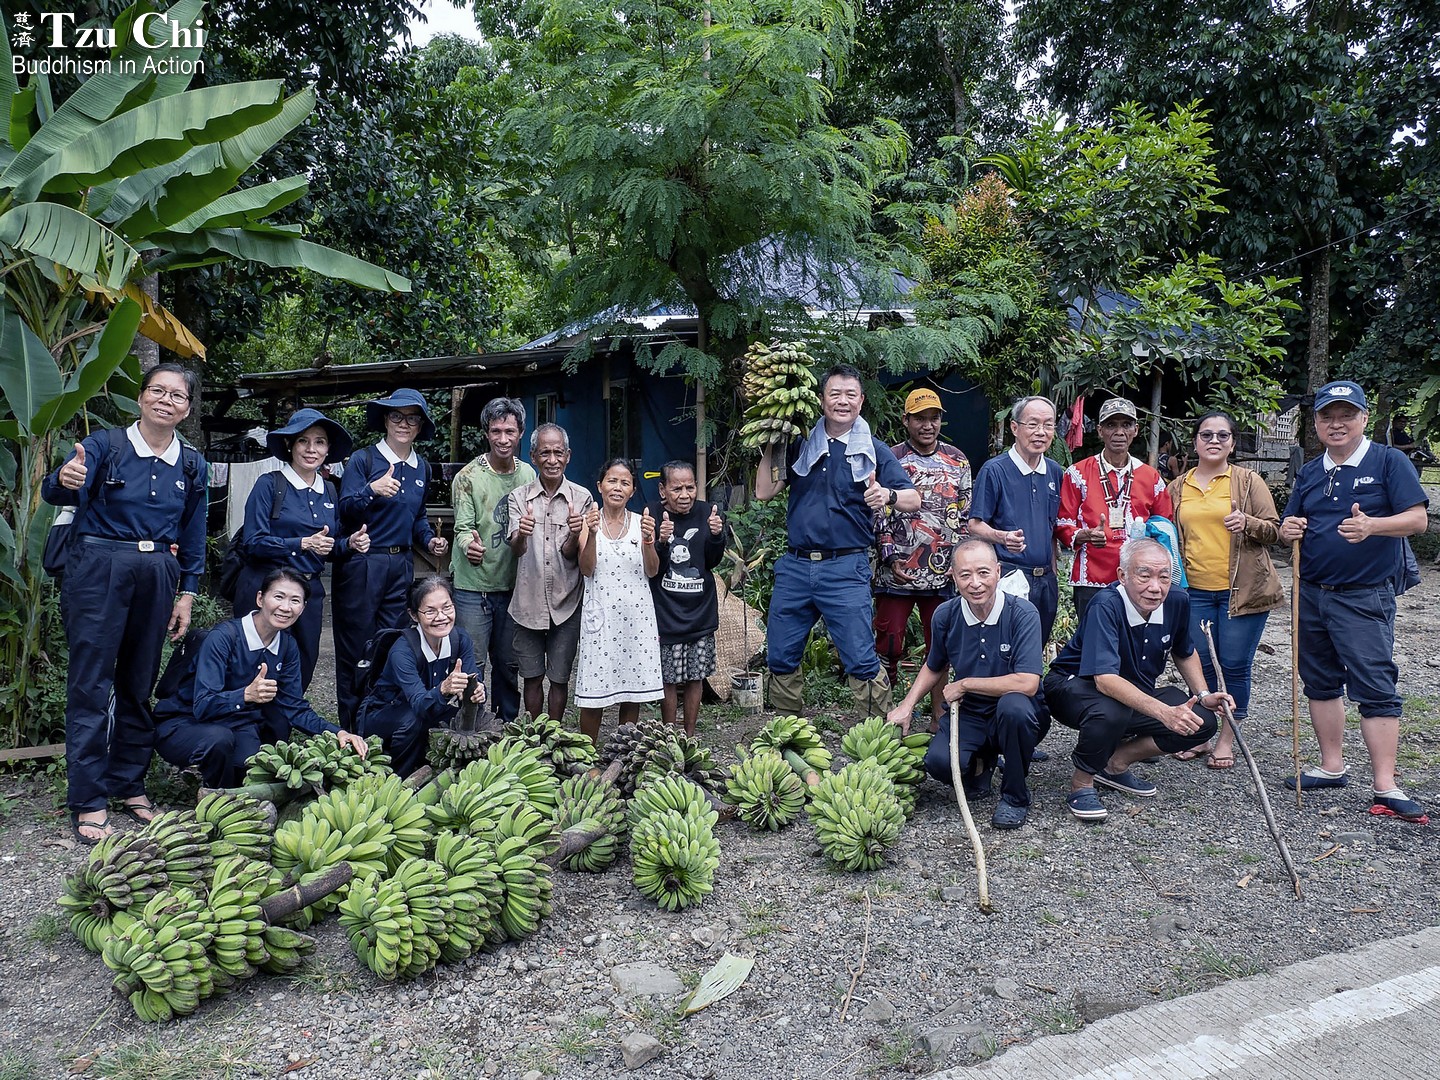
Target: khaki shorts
[551,652]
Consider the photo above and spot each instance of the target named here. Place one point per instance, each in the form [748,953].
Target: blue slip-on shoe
[1316,777]
[1392,803]
[1008,815]
[1085,804]
[1127,782]
[1039,755]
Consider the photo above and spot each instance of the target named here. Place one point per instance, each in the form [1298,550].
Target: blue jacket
[273,542]
[398,521]
[410,684]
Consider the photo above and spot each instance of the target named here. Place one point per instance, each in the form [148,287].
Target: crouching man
[1103,682]
[991,643]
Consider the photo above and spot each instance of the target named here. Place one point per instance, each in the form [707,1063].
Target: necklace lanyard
[1113,500]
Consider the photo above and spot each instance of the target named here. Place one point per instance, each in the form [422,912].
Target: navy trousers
[1104,723]
[405,735]
[218,752]
[370,593]
[115,604]
[306,630]
[1008,725]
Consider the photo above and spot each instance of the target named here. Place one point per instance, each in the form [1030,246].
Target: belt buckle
[1037,571]
[816,556]
[146,545]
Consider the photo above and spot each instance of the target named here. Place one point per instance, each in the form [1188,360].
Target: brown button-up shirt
[548,586]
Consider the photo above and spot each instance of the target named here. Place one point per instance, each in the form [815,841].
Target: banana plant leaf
[157,323]
[73,239]
[270,248]
[722,980]
[28,375]
[242,207]
[104,357]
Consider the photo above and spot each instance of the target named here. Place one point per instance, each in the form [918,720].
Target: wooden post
[457,395]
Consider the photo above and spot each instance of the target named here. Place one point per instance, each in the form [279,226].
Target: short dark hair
[846,371]
[425,586]
[673,467]
[498,409]
[192,380]
[284,573]
[625,463]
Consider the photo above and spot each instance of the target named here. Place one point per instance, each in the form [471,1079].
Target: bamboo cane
[1244,749]
[1295,665]
[982,880]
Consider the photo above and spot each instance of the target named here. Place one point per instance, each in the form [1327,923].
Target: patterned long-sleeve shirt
[1090,499]
[922,542]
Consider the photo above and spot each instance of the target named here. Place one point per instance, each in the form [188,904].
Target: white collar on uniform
[1330,463]
[430,654]
[1132,613]
[989,620]
[1020,463]
[171,454]
[252,636]
[318,487]
[389,455]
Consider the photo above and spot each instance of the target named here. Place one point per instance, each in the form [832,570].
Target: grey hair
[976,545]
[499,408]
[1136,546]
[535,435]
[1021,404]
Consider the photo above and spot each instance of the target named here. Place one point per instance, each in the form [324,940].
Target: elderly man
[915,549]
[1099,498]
[1351,509]
[991,642]
[1103,682]
[1017,499]
[481,561]
[839,475]
[546,517]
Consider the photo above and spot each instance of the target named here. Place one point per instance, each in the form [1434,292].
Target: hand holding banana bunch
[780,389]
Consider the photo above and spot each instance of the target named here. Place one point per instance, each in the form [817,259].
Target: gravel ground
[889,973]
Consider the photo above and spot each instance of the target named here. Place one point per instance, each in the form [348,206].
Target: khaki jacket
[1254,585]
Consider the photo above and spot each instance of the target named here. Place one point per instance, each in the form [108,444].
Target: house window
[545,409]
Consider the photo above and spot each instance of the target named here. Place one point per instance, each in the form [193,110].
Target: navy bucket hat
[278,441]
[404,397]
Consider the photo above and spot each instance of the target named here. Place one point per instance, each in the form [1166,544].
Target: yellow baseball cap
[920,400]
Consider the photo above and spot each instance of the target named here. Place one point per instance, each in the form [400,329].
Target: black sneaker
[1127,782]
[1008,815]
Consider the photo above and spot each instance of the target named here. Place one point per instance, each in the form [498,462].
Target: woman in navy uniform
[245,689]
[384,489]
[139,491]
[425,674]
[306,533]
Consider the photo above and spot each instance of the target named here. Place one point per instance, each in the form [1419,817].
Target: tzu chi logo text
[67,45]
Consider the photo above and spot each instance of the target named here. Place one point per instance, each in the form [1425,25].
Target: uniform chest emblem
[328,506]
[1005,647]
[180,484]
[1165,640]
[419,482]
[1363,480]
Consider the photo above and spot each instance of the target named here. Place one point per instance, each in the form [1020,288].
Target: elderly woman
[292,520]
[137,491]
[383,491]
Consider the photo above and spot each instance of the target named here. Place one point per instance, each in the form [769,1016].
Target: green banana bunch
[241,825]
[160,960]
[901,756]
[588,807]
[797,741]
[400,807]
[766,791]
[631,746]
[304,848]
[670,792]
[285,950]
[124,870]
[780,389]
[476,798]
[456,749]
[376,919]
[476,893]
[682,755]
[674,858]
[285,763]
[569,752]
[236,889]
[341,765]
[427,898]
[527,886]
[857,816]
[531,766]
[184,842]
[93,931]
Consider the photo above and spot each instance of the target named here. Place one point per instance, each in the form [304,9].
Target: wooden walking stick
[983,881]
[1294,664]
[1229,718]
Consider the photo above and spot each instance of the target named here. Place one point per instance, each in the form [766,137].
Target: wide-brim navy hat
[404,397]
[278,441]
[1343,391]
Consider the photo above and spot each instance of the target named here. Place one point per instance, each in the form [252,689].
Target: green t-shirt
[481,497]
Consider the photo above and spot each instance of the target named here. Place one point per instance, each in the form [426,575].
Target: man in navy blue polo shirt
[1016,501]
[991,642]
[1103,682]
[1351,509]
[839,475]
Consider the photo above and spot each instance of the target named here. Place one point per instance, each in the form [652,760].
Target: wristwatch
[893,499]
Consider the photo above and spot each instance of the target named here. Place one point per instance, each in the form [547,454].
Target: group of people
[549,579]
[1153,562]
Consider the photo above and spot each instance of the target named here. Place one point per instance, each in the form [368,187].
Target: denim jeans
[837,590]
[486,618]
[1235,642]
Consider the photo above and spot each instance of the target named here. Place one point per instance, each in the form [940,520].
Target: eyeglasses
[432,613]
[1214,436]
[1331,477]
[1034,425]
[404,419]
[175,397]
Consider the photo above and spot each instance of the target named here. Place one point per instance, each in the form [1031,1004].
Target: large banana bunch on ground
[304,849]
[476,799]
[674,858]
[236,889]
[670,792]
[766,791]
[796,740]
[568,752]
[341,765]
[184,842]
[857,816]
[122,872]
[592,812]
[451,749]
[160,960]
[376,919]
[240,825]
[285,763]
[476,892]
[901,756]
[780,391]
[285,950]
[531,766]
[427,899]
[521,841]
[399,806]
[683,756]
[629,748]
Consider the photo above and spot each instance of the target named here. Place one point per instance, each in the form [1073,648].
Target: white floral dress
[619,658]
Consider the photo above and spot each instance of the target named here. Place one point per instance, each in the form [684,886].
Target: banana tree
[133,174]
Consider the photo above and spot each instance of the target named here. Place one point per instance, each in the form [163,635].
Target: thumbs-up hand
[1358,526]
[386,485]
[475,549]
[716,522]
[1179,718]
[1234,521]
[261,690]
[360,540]
[667,527]
[592,519]
[320,543]
[455,682]
[875,495]
[526,525]
[647,527]
[73,472]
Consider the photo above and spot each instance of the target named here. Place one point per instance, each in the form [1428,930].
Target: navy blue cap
[1348,392]
[278,441]
[403,398]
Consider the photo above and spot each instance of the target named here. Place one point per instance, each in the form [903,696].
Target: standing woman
[384,490]
[306,531]
[619,662]
[139,490]
[1226,520]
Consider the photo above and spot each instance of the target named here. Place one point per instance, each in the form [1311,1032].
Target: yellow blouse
[1207,541]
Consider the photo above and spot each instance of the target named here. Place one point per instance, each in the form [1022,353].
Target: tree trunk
[1157,379]
[1317,361]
